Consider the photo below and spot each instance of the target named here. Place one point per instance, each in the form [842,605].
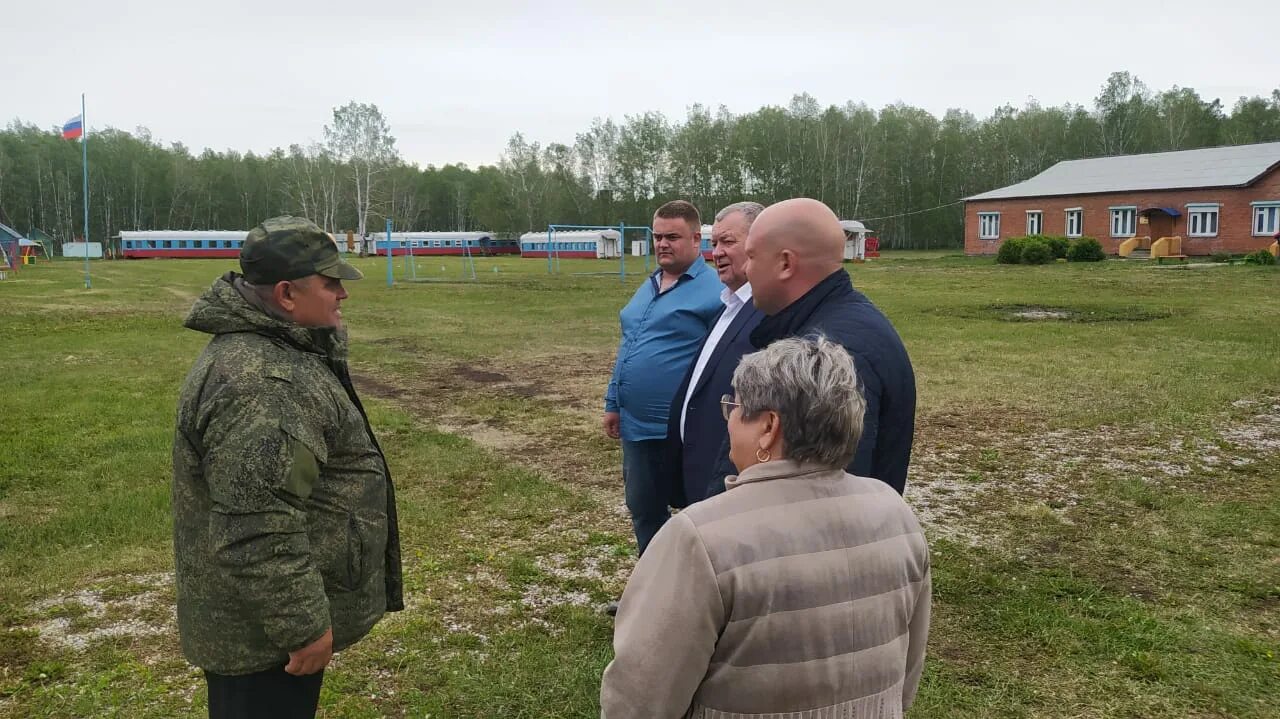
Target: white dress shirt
[733,304]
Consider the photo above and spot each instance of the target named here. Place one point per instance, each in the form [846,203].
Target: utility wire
[907,214]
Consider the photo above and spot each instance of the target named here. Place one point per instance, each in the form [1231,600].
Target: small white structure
[78,249]
[855,240]
[704,242]
[639,248]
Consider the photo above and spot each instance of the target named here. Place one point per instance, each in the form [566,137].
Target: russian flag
[73,129]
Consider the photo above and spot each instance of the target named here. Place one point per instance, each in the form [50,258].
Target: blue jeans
[642,468]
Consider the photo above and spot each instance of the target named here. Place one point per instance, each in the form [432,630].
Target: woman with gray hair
[801,591]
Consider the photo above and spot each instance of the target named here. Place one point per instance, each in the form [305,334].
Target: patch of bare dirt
[1043,315]
[970,473]
[568,446]
[486,435]
[474,374]
[87,616]
[376,388]
[1260,430]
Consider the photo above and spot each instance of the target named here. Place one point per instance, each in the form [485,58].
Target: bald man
[795,254]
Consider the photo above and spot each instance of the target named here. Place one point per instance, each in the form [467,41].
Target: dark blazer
[834,308]
[699,463]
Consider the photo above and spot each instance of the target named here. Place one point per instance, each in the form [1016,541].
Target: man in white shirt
[697,433]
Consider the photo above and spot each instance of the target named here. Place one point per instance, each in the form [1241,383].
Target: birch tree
[361,139]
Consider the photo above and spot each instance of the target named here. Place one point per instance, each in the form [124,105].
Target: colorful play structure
[17,250]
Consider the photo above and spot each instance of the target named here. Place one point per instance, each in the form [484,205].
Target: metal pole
[622,251]
[413,259]
[550,234]
[84,154]
[390,272]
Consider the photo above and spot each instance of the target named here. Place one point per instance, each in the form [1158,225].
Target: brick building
[1217,199]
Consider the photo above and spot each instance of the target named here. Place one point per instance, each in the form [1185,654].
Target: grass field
[1100,486]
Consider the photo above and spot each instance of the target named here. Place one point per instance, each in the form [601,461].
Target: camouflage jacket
[283,507]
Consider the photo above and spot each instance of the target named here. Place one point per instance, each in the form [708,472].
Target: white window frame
[1039,216]
[1265,209]
[1203,219]
[985,220]
[1117,218]
[1078,213]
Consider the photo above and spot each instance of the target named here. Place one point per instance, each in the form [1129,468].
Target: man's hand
[611,424]
[313,657]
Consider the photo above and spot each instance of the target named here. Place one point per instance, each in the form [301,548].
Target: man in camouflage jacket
[285,537]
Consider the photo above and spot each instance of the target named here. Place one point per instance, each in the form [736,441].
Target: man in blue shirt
[662,328]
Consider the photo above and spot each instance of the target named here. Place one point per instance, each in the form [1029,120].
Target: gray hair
[750,211]
[812,384]
[266,295]
[267,292]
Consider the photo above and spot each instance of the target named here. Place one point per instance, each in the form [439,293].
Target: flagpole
[84,154]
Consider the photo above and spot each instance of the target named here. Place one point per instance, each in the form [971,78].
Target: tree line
[899,168]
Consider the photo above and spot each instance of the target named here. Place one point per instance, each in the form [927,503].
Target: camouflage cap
[286,248]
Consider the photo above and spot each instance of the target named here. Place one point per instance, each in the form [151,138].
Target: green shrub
[1220,257]
[1058,244]
[1086,249]
[1032,250]
[1036,251]
[1010,252]
[1261,257]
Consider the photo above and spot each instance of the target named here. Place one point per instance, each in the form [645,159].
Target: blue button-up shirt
[661,332]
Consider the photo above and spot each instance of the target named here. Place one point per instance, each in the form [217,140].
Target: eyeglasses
[726,405]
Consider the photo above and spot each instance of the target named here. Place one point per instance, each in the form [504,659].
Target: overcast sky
[456,79]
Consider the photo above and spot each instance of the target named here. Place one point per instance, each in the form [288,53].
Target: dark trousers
[273,694]
[642,480]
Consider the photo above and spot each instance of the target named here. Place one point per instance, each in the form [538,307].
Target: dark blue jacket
[698,465]
[845,315]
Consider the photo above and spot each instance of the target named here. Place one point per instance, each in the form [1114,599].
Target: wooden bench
[1160,260]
